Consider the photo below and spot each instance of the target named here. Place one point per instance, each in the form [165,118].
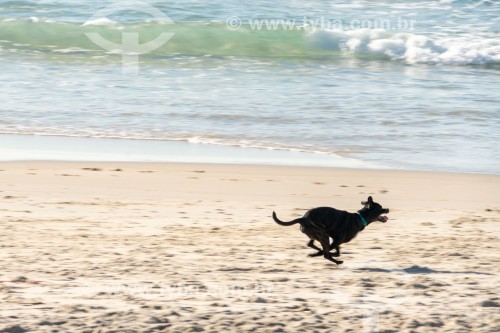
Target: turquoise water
[397,84]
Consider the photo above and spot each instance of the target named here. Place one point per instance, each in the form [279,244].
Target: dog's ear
[367,203]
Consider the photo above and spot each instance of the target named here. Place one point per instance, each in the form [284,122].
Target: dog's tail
[275,218]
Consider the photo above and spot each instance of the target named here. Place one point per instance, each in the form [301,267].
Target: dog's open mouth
[382,218]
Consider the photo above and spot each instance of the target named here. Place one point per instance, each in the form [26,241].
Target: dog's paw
[335,254]
[339,262]
[317,254]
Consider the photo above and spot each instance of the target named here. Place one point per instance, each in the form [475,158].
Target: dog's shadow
[417,270]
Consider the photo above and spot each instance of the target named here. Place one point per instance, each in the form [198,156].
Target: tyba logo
[130,49]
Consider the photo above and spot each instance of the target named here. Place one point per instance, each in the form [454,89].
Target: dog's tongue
[383,218]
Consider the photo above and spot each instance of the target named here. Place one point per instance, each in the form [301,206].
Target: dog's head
[373,211]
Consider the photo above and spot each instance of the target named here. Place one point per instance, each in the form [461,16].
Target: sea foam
[99,21]
[411,48]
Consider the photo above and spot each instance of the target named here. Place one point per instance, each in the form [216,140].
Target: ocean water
[394,84]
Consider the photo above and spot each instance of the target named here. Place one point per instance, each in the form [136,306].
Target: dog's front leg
[325,243]
[335,246]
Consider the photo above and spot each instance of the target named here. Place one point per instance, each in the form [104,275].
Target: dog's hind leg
[312,246]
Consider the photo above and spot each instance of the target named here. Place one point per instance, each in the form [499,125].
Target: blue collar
[362,220]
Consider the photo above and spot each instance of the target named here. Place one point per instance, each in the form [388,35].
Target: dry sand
[123,247]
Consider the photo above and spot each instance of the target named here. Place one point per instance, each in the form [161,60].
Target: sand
[145,247]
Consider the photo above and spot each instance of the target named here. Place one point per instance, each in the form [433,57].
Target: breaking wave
[35,36]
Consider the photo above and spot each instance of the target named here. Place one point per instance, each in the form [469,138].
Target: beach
[192,247]
[144,146]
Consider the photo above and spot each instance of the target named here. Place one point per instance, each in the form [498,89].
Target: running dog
[323,222]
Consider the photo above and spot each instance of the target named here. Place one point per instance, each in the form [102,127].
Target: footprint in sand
[11,197]
[92,169]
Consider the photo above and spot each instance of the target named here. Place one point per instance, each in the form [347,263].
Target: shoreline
[47,148]
[17,147]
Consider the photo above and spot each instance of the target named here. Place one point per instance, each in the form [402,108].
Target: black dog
[324,222]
